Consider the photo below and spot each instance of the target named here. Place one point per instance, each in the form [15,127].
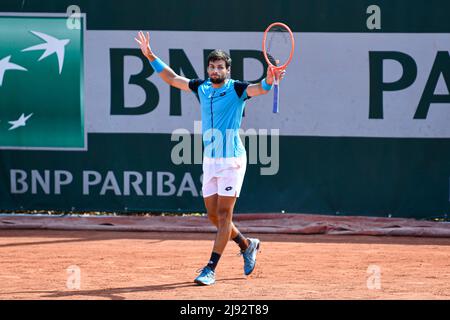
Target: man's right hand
[168,75]
[144,43]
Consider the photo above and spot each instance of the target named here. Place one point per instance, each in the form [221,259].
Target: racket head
[278,44]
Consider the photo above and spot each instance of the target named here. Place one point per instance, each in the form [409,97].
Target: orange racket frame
[292,49]
[276,95]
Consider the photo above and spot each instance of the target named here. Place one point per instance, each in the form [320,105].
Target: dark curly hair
[220,55]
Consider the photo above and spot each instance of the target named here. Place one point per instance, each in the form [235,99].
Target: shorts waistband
[230,160]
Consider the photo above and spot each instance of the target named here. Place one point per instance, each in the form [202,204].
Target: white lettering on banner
[87,181]
[126,183]
[326,91]
[59,181]
[110,183]
[162,182]
[40,181]
[17,181]
[149,189]
[135,184]
[187,185]
[166,184]
[43,182]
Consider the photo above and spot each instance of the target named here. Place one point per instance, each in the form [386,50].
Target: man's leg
[211,204]
[224,207]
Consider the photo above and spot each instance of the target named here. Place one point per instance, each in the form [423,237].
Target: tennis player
[222,102]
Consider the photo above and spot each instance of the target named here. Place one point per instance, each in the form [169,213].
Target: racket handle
[276,98]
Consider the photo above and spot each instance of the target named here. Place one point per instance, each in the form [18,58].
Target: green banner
[41,83]
[134,172]
[86,124]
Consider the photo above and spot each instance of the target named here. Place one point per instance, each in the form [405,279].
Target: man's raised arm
[265,85]
[164,71]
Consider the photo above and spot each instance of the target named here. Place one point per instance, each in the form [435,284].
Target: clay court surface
[154,265]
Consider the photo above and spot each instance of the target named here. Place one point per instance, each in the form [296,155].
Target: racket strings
[278,45]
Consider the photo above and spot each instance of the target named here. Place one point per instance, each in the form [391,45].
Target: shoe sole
[202,283]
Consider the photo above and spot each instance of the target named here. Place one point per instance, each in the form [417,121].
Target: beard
[218,80]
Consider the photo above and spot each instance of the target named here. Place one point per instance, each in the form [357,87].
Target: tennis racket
[278,46]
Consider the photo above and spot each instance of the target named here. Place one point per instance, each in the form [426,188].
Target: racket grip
[276,99]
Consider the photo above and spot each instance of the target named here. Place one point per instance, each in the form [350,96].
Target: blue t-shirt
[222,109]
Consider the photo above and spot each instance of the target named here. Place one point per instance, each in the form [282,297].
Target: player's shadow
[115,293]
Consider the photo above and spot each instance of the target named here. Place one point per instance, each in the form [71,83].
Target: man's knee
[214,219]
[224,217]
[212,216]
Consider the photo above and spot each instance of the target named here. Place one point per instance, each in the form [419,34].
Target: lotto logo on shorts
[41,83]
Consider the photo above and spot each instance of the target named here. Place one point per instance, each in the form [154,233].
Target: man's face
[217,71]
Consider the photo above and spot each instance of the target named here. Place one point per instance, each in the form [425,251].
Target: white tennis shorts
[223,176]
